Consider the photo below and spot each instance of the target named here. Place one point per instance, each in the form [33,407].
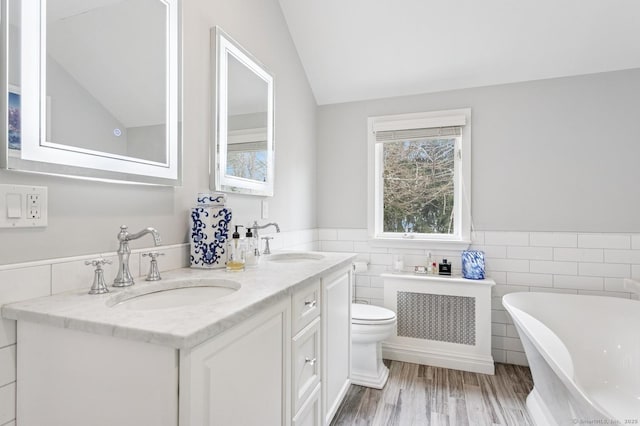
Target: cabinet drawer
[310,413]
[306,305]
[305,360]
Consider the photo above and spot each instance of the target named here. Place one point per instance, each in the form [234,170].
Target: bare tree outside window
[247,164]
[418,182]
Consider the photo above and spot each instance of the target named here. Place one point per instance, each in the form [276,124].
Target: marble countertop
[178,327]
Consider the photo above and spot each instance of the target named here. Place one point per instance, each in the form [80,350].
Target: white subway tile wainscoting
[562,262]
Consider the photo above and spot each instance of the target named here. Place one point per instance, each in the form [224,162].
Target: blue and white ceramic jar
[473,264]
[210,221]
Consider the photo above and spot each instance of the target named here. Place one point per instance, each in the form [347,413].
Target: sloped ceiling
[365,49]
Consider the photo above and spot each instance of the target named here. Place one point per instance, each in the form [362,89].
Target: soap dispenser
[235,252]
[252,253]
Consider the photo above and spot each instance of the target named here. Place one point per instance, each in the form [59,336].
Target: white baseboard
[454,361]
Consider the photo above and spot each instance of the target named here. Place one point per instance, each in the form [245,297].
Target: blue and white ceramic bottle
[210,221]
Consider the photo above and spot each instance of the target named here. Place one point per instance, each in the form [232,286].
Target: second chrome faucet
[255,227]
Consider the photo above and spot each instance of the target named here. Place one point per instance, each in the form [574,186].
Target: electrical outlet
[34,212]
[265,209]
[33,198]
[33,206]
[23,206]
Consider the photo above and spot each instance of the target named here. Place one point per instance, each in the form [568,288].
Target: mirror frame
[219,179]
[42,156]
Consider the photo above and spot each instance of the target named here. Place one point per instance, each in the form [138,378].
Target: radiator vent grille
[437,317]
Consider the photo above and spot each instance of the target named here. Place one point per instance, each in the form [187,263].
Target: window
[420,178]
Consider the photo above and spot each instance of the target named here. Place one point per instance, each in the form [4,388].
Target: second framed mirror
[242,149]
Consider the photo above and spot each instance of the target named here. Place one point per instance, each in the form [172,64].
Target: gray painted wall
[84,216]
[551,155]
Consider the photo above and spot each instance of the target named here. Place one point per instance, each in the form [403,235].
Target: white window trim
[462,180]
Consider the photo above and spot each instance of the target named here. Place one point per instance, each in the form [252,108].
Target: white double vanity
[267,346]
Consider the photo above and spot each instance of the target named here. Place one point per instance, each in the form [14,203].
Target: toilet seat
[371,315]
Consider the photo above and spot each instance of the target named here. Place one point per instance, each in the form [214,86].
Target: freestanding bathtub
[584,355]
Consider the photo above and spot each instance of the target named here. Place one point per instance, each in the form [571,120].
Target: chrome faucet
[124,278]
[255,227]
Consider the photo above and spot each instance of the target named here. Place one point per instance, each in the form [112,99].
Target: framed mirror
[242,149]
[95,86]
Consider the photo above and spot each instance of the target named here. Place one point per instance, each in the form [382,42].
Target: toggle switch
[14,206]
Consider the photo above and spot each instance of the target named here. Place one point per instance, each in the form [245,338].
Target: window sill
[420,243]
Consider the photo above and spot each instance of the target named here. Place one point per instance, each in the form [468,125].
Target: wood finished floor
[417,395]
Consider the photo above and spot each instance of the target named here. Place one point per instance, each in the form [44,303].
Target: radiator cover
[441,321]
[438,317]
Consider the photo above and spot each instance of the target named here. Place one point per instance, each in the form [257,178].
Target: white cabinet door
[336,341]
[72,378]
[242,376]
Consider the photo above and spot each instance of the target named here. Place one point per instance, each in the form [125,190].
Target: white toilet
[370,325]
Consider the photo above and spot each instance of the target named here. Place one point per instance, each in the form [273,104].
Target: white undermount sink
[293,257]
[174,294]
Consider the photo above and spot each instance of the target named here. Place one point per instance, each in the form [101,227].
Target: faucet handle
[154,272]
[97,262]
[266,245]
[153,255]
[98,286]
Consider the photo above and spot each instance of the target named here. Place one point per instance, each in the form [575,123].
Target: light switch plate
[265,209]
[23,206]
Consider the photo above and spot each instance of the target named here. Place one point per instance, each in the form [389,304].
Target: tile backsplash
[564,262]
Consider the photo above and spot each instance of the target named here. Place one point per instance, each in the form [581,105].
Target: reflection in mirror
[243,150]
[103,86]
[247,118]
[13,79]
[108,106]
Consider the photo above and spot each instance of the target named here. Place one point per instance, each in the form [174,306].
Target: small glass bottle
[252,255]
[398,263]
[430,264]
[235,252]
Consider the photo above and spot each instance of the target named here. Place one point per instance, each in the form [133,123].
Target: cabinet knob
[310,304]
[310,361]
